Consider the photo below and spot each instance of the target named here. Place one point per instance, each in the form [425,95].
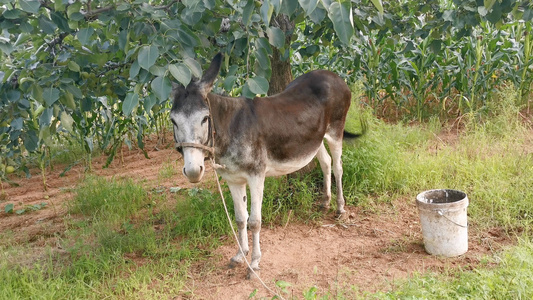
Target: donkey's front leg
[238,192]
[256,184]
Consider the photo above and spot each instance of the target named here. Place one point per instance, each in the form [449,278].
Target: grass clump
[128,244]
[512,278]
[293,196]
[115,199]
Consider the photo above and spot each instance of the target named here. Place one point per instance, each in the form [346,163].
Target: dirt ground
[369,251]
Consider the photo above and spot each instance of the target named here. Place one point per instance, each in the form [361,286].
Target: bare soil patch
[368,251]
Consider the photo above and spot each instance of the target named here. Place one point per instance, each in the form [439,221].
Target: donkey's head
[191,118]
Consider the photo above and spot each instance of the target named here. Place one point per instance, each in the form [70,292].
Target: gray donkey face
[191,120]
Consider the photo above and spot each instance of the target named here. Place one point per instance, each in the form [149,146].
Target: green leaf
[229,82]
[134,69]
[45,119]
[73,66]
[50,96]
[46,25]
[59,6]
[378,5]
[496,13]
[22,38]
[12,14]
[187,37]
[74,90]
[283,285]
[161,87]
[37,92]
[258,85]
[130,102]
[308,5]
[13,95]
[149,102]
[194,66]
[181,72]
[123,39]
[31,6]
[247,12]
[16,124]
[66,121]
[8,209]
[147,56]
[341,16]
[26,27]
[89,143]
[84,35]
[60,21]
[318,15]
[7,48]
[262,57]
[74,8]
[266,11]
[157,70]
[288,7]
[276,37]
[86,104]
[528,15]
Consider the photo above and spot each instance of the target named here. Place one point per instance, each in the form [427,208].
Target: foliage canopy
[98,73]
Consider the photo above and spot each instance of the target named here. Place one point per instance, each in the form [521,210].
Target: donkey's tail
[364,128]
[349,135]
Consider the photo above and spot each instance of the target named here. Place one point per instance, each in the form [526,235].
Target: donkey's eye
[205,119]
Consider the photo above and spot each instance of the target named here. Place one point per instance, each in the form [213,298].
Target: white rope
[215,167]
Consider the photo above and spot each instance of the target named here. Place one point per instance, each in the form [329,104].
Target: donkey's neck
[223,111]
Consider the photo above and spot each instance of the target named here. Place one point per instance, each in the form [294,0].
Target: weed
[10,208]
[114,199]
[511,279]
[168,170]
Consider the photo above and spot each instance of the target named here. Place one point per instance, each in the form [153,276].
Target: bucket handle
[441,213]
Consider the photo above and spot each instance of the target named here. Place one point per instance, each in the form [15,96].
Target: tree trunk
[281,69]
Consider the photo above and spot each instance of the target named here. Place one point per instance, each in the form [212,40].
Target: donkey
[251,139]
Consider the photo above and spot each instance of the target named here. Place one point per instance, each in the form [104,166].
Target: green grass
[123,242]
[511,278]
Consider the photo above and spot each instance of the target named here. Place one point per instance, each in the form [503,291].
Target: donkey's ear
[206,84]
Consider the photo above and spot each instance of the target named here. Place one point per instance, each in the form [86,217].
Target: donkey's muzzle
[193,164]
[194,174]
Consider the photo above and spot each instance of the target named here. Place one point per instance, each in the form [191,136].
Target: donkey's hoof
[233,263]
[253,275]
[340,214]
[323,206]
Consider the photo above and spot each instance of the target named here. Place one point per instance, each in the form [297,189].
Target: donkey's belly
[278,168]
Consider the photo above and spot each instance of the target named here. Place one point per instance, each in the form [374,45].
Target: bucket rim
[421,200]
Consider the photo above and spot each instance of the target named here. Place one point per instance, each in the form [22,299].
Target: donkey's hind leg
[325,164]
[335,146]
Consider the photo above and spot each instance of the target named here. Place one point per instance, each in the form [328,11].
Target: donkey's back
[293,124]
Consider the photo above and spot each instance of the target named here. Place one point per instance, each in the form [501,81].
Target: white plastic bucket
[444,221]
